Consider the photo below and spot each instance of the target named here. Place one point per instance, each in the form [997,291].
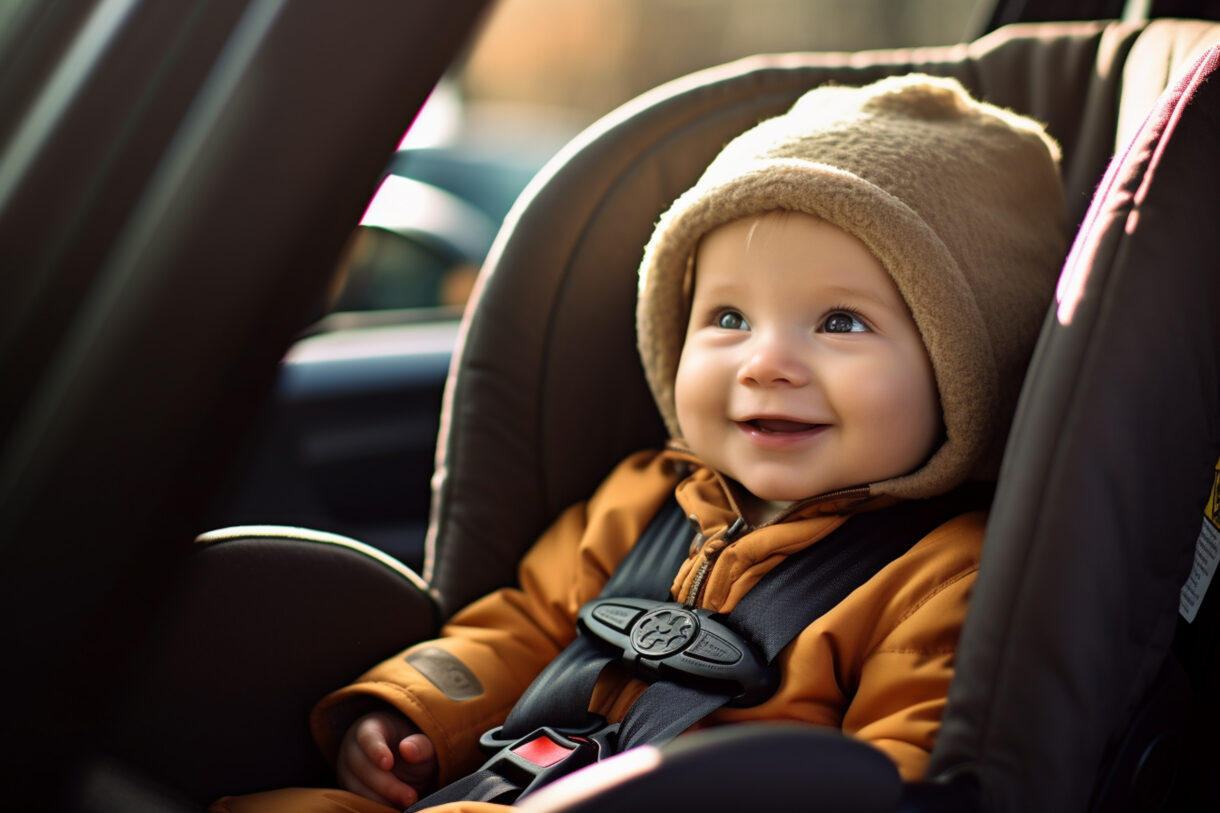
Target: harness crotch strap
[696,660]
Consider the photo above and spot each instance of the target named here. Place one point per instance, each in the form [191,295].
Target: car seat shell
[546,392]
[1106,474]
[560,287]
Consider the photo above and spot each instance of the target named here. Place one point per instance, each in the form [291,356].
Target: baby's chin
[779,495]
[758,510]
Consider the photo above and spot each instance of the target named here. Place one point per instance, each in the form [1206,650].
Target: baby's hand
[383,757]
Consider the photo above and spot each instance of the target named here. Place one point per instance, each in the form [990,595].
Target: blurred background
[588,56]
[538,73]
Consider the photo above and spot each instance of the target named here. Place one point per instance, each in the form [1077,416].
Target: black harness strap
[559,696]
[790,598]
[769,617]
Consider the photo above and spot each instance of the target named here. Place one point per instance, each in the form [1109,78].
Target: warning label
[1207,555]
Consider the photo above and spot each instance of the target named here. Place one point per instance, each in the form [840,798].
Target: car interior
[158,661]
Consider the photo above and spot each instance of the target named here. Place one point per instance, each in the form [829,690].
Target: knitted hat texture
[961,202]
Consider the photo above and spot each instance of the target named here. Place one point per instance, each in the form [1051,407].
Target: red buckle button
[542,751]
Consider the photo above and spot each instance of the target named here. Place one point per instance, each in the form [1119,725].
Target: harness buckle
[545,754]
[667,640]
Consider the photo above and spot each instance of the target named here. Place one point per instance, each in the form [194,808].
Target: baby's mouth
[776,426]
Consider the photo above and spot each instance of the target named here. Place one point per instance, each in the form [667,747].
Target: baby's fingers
[417,749]
[371,737]
[418,764]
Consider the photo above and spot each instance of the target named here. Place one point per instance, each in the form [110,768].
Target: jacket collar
[711,498]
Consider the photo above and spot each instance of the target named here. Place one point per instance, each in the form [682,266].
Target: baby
[834,322]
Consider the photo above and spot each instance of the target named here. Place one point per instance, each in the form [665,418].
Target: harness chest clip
[664,640]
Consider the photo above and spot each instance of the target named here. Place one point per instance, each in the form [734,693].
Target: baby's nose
[771,362]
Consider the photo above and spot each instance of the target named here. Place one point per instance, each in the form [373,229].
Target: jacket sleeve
[903,682]
[465,682]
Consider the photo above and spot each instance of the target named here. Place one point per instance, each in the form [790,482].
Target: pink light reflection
[590,781]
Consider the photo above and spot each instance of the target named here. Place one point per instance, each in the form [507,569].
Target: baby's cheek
[693,393]
[880,392]
[896,405]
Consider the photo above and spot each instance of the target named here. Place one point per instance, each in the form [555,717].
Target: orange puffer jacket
[877,666]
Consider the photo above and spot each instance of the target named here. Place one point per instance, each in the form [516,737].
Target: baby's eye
[844,322]
[732,320]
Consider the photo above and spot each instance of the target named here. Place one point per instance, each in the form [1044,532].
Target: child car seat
[1095,518]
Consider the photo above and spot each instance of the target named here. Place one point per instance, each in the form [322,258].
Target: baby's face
[802,371]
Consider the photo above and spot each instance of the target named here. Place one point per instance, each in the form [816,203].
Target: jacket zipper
[692,595]
[729,535]
[740,525]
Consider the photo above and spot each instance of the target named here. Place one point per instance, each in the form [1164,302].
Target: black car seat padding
[265,621]
[1105,477]
[795,768]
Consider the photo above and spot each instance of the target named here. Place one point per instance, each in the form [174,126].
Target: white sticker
[1207,556]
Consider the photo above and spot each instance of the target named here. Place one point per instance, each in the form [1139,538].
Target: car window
[539,72]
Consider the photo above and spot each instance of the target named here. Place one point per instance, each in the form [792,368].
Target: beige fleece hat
[960,200]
